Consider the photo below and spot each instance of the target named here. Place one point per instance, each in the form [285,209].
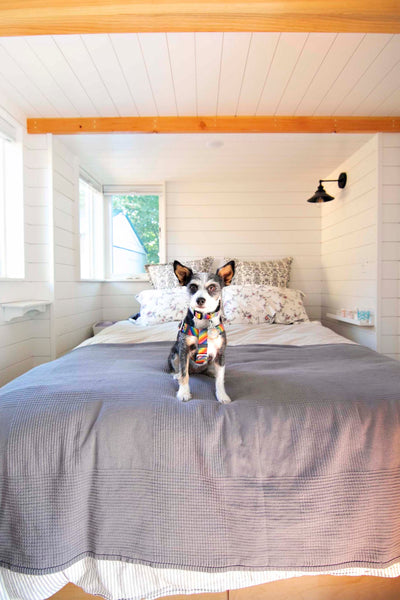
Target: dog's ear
[227,272]
[184,274]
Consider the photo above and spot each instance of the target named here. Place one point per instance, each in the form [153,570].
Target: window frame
[156,189]
[91,182]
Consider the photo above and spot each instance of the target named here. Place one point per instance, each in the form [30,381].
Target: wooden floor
[321,587]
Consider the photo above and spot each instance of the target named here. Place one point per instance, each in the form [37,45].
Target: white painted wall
[248,220]
[77,304]
[349,243]
[51,272]
[389,255]
[25,342]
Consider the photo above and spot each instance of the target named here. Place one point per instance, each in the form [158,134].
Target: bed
[110,484]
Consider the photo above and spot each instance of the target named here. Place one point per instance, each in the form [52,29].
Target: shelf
[13,310]
[351,321]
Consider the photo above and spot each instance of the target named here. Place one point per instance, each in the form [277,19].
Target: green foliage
[142,211]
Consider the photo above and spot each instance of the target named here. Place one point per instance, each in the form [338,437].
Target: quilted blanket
[301,471]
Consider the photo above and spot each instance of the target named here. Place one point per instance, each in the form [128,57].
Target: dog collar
[202,336]
[207,316]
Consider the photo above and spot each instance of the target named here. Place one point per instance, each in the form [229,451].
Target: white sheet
[299,334]
[117,580]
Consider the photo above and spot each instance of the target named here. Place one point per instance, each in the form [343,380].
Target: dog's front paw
[223,398]
[184,394]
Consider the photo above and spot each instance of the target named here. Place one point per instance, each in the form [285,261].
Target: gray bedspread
[300,471]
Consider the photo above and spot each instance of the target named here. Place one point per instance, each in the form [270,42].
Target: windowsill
[142,279]
[12,279]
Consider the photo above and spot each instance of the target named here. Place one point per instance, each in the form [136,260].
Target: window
[91,228]
[11,203]
[136,233]
[121,229]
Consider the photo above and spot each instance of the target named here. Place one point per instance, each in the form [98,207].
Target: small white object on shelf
[13,310]
[357,322]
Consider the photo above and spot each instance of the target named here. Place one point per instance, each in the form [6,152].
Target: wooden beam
[38,17]
[228,124]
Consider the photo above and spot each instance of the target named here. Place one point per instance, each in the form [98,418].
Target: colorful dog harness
[202,336]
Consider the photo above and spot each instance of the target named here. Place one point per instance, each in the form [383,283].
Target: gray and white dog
[201,340]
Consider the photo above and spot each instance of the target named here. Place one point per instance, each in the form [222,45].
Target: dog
[201,340]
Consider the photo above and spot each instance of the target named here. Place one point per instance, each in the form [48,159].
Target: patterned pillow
[292,310]
[162,306]
[162,276]
[250,304]
[256,304]
[262,272]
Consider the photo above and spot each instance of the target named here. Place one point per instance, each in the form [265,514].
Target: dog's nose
[201,301]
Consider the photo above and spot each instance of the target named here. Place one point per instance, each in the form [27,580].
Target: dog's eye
[212,288]
[193,287]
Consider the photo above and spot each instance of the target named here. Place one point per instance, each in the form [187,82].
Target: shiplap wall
[390,245]
[349,243]
[25,342]
[77,304]
[248,220]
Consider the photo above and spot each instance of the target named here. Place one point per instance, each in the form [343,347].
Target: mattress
[298,334]
[118,579]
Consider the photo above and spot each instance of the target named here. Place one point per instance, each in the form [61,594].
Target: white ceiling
[202,74]
[301,159]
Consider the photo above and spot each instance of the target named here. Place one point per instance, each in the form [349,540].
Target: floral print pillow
[256,304]
[250,304]
[162,276]
[292,310]
[161,306]
[262,272]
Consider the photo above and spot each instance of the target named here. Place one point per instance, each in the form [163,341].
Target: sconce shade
[321,195]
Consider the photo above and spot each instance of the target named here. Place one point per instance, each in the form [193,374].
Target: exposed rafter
[228,124]
[39,17]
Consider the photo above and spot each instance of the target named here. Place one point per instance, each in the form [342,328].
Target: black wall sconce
[321,195]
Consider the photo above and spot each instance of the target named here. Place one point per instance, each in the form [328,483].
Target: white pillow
[256,304]
[250,304]
[293,310]
[161,306]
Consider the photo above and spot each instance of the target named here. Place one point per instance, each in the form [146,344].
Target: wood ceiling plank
[46,49]
[235,51]
[39,17]
[285,59]
[226,124]
[208,69]
[365,54]
[343,47]
[76,53]
[158,66]
[183,66]
[261,53]
[130,56]
[107,64]
[26,58]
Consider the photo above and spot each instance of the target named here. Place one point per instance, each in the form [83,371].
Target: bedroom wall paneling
[118,298]
[389,244]
[77,303]
[349,243]
[256,220]
[25,342]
